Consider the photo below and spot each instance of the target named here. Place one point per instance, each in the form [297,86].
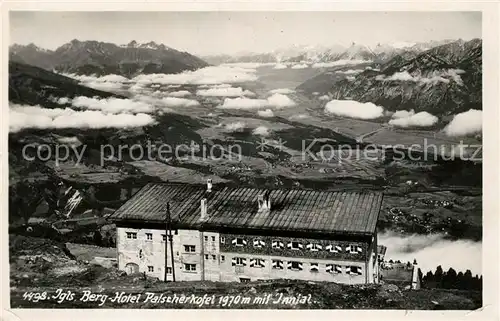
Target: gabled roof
[232,207]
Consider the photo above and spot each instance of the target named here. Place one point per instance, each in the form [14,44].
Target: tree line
[451,280]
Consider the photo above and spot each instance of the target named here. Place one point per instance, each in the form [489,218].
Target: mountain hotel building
[246,234]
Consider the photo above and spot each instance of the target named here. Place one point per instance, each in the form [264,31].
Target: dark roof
[232,207]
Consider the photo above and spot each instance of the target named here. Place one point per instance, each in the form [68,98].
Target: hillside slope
[30,85]
[443,80]
[101,58]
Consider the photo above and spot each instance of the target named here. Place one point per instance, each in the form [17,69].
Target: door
[131,268]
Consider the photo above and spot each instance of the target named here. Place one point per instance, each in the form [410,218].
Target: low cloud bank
[282,91]
[179,102]
[235,127]
[339,63]
[403,114]
[469,122]
[261,131]
[106,83]
[422,119]
[433,250]
[354,109]
[205,76]
[300,66]
[265,113]
[435,77]
[280,66]
[112,105]
[180,93]
[224,92]
[22,117]
[276,100]
[349,72]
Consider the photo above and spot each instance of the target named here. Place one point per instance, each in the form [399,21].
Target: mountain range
[444,80]
[101,58]
[315,54]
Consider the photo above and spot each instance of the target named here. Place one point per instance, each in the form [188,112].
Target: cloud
[282,91]
[349,72]
[421,119]
[300,66]
[112,105]
[280,101]
[433,250]
[280,66]
[107,83]
[261,131]
[276,100]
[265,113]
[22,117]
[339,63]
[179,102]
[235,127]
[354,109]
[403,114]
[298,116]
[243,103]
[469,122]
[180,93]
[444,76]
[205,76]
[246,64]
[224,92]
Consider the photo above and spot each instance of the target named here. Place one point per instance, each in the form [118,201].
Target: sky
[205,33]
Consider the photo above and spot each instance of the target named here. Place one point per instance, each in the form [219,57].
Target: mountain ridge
[101,58]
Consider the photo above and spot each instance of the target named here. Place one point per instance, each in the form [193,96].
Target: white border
[490,14]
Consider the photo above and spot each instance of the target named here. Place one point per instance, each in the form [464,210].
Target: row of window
[259,243]
[294,245]
[297,266]
[279,265]
[149,236]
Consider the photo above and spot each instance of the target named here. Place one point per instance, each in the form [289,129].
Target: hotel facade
[247,234]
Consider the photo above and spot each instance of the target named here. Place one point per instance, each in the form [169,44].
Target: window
[189,248]
[239,241]
[131,235]
[238,261]
[222,258]
[164,237]
[354,249]
[222,239]
[189,267]
[314,247]
[258,243]
[257,263]
[149,236]
[213,238]
[206,238]
[277,245]
[333,268]
[206,256]
[176,232]
[334,249]
[244,280]
[169,270]
[151,268]
[214,257]
[294,246]
[294,265]
[277,264]
[354,270]
[314,267]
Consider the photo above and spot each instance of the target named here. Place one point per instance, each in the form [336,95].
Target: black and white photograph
[245,160]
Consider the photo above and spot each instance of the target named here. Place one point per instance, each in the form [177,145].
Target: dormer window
[239,241]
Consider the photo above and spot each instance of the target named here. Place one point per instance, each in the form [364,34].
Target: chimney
[264,201]
[209,185]
[203,208]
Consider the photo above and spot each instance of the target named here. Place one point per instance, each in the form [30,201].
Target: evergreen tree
[97,238]
[438,276]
